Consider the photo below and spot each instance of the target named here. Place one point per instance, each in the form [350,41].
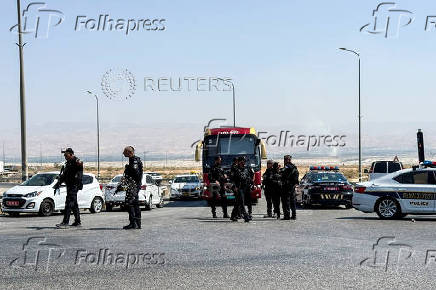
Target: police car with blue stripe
[408,191]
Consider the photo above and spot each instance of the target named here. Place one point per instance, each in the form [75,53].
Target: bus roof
[229,130]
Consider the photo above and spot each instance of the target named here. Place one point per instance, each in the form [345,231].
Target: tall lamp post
[98,136]
[360,116]
[24,170]
[234,103]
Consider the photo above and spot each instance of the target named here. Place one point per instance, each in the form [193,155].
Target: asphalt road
[180,246]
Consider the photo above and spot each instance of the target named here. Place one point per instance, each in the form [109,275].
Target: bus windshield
[230,147]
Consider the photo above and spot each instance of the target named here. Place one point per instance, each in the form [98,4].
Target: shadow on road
[406,219]
[41,228]
[187,203]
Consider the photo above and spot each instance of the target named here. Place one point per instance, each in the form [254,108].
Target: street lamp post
[24,172]
[360,117]
[234,102]
[98,136]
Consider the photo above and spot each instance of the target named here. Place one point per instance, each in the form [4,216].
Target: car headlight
[33,194]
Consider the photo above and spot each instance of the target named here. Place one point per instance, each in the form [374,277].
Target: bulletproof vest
[216,174]
[73,172]
[134,171]
[289,176]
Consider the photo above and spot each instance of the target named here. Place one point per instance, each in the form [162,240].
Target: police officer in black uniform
[247,193]
[241,179]
[71,174]
[289,181]
[276,188]
[267,188]
[133,180]
[217,180]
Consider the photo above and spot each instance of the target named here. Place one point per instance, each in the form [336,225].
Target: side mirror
[365,171]
[263,150]
[198,151]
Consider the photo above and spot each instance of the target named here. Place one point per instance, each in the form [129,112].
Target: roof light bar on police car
[428,163]
[324,168]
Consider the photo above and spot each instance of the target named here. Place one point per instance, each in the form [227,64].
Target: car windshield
[328,177]
[40,180]
[117,178]
[186,179]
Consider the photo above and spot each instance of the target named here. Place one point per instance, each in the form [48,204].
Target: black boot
[129,227]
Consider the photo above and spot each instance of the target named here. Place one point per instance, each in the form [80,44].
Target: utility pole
[24,169]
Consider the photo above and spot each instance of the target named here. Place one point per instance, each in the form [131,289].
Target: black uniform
[217,174]
[267,190]
[289,180]
[133,175]
[71,175]
[241,179]
[247,193]
[276,189]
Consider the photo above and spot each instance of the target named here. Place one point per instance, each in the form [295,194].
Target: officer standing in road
[133,180]
[289,181]
[247,193]
[241,181]
[267,188]
[71,174]
[276,188]
[217,181]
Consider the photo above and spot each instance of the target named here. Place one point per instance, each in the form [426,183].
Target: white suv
[36,195]
[149,195]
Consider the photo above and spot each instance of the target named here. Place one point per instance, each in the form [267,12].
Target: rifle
[58,183]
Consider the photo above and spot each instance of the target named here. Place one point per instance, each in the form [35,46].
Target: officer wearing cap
[241,181]
[71,174]
[289,181]
[132,180]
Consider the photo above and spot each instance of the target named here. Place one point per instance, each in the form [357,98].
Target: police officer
[217,181]
[71,174]
[133,178]
[267,188]
[247,194]
[241,179]
[289,181]
[276,188]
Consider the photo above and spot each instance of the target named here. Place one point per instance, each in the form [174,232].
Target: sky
[282,57]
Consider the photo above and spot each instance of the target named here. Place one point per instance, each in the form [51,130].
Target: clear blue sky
[282,56]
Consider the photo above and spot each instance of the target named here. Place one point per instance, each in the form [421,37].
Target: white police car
[408,191]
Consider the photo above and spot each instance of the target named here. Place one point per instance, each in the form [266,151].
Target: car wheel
[109,207]
[388,208]
[96,205]
[46,208]
[348,206]
[161,203]
[148,204]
